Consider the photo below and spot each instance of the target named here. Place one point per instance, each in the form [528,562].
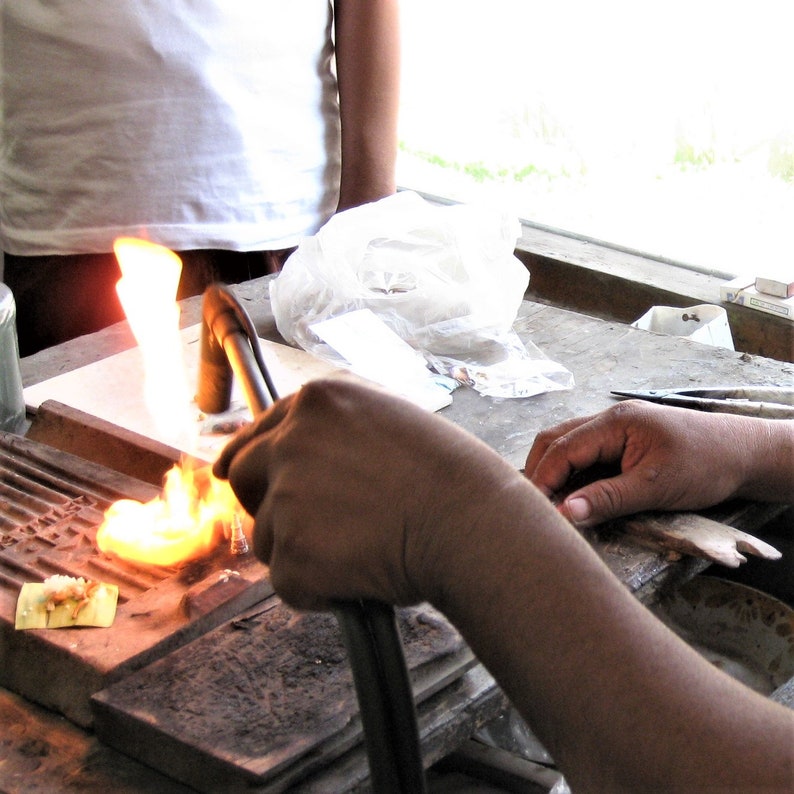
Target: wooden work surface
[602,356]
[48,754]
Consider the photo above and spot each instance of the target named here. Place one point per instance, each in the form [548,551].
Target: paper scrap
[377,353]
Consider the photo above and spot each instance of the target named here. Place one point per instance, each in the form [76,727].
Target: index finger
[546,438]
[263,422]
[581,445]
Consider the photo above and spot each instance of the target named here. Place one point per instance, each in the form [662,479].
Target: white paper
[113,389]
[375,352]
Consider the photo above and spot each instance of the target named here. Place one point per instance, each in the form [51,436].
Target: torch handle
[238,350]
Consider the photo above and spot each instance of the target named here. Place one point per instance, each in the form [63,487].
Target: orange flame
[186,522]
[147,291]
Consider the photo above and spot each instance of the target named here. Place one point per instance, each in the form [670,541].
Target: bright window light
[666,128]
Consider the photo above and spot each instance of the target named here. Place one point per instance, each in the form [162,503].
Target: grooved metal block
[51,504]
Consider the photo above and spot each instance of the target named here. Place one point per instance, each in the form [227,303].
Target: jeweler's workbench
[40,751]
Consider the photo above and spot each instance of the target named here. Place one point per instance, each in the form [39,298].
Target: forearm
[427,512]
[621,703]
[368,58]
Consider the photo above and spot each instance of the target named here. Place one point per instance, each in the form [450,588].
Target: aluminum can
[12,402]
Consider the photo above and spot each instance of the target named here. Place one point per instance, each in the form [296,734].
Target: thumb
[606,499]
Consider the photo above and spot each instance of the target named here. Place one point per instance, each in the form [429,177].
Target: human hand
[670,459]
[355,493]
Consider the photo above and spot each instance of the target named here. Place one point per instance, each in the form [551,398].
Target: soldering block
[774,286]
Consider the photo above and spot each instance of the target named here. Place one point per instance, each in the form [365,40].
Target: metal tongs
[769,402]
[230,346]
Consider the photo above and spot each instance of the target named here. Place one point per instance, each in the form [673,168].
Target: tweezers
[769,402]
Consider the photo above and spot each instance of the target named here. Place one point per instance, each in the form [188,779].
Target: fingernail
[579,509]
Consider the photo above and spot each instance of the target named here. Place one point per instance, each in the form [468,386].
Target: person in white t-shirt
[225,131]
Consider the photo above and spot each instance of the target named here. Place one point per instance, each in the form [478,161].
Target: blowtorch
[230,347]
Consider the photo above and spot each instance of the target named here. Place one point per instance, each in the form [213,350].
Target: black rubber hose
[397,767]
[384,746]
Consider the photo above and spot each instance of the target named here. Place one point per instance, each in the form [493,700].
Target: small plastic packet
[65,601]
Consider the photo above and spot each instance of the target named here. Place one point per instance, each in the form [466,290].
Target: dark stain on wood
[267,696]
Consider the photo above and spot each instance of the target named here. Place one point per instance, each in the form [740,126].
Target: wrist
[768,458]
[365,183]
[472,528]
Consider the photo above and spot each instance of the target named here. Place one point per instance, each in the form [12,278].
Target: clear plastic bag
[443,278]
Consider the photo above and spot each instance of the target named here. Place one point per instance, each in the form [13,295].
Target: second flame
[193,514]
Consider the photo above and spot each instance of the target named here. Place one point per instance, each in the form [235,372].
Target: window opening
[661,128]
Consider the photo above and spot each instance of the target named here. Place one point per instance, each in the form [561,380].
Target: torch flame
[147,291]
[186,522]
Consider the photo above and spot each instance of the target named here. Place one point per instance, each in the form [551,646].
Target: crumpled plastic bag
[443,278]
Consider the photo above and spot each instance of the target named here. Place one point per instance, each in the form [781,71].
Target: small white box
[742,291]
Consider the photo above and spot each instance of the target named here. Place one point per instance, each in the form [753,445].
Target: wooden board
[264,700]
[50,507]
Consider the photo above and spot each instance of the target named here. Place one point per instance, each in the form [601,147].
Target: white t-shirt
[195,124]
